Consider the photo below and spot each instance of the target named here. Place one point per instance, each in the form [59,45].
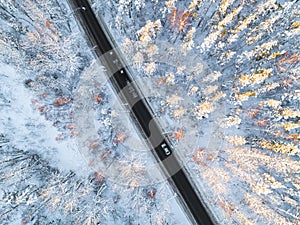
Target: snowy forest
[222,76]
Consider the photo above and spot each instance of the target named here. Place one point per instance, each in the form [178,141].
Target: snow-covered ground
[222,77]
[28,130]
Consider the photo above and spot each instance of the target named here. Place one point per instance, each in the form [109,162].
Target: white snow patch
[28,130]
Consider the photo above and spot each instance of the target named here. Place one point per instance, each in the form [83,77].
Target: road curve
[122,82]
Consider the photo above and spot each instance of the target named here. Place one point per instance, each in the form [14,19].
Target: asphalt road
[121,80]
